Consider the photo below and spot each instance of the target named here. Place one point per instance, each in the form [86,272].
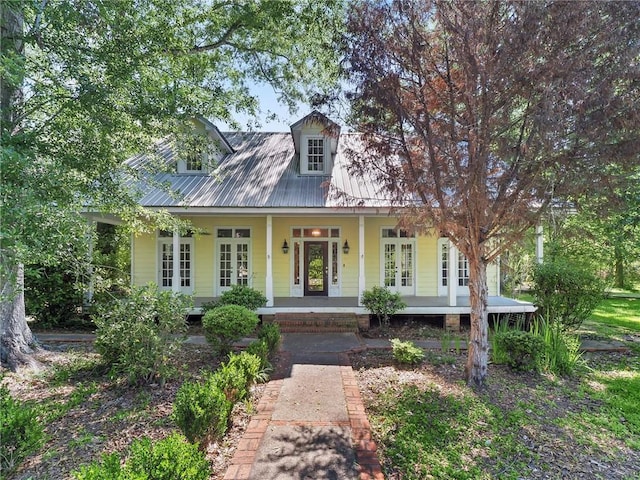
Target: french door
[398,265]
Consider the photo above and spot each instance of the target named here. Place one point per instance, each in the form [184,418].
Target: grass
[439,429]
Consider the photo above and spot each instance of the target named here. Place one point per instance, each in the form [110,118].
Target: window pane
[243,233]
[335,233]
[225,233]
[315,154]
[334,263]
[297,232]
[296,263]
[389,233]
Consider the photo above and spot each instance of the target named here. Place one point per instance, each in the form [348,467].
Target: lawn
[429,424]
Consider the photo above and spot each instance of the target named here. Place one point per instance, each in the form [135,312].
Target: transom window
[396,233]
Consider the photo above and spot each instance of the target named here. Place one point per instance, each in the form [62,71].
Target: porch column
[175,278]
[452,284]
[361,276]
[269,278]
[539,244]
[88,295]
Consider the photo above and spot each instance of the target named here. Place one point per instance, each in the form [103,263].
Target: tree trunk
[478,353]
[17,342]
[619,266]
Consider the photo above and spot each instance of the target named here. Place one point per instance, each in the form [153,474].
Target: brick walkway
[358,424]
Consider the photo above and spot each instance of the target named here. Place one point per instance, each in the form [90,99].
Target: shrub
[382,303]
[270,333]
[260,349]
[249,365]
[227,324]
[231,380]
[168,459]
[20,432]
[523,350]
[201,410]
[566,293]
[238,295]
[406,352]
[561,354]
[138,334]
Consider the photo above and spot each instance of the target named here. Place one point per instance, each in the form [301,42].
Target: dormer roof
[329,128]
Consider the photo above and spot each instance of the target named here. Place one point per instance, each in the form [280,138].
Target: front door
[316,269]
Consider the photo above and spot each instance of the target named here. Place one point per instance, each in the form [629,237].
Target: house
[265,202]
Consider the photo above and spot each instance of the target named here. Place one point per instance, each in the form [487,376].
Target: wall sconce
[285,247]
[345,247]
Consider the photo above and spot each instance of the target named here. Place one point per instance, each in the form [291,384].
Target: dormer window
[313,157]
[194,153]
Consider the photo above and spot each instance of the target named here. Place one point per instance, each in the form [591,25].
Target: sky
[269,103]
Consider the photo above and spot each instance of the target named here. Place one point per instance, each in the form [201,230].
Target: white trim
[398,242]
[176,280]
[304,155]
[269,260]
[362,285]
[539,244]
[452,273]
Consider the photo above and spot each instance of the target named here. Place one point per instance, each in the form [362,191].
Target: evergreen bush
[406,353]
[238,295]
[138,334]
[523,350]
[270,333]
[260,349]
[227,324]
[382,303]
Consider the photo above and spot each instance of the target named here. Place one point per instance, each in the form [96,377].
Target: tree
[87,83]
[477,116]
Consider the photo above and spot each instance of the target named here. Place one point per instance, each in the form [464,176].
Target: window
[461,269]
[194,150]
[398,260]
[313,155]
[233,258]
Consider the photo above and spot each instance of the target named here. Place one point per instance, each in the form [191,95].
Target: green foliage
[138,334]
[260,348]
[168,459]
[561,353]
[270,333]
[523,350]
[52,294]
[406,352]
[566,293]
[21,433]
[381,302]
[227,324]
[238,295]
[201,410]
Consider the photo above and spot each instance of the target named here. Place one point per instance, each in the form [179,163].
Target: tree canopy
[87,83]
[480,115]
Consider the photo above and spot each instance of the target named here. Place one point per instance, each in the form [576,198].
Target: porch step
[316,322]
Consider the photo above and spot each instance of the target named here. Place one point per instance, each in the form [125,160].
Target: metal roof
[262,171]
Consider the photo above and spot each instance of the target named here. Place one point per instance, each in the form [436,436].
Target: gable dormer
[315,138]
[200,149]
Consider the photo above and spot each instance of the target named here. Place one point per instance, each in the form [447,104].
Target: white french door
[398,265]
[233,258]
[166,262]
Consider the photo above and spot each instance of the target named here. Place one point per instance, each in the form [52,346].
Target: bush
[566,293]
[561,354]
[406,352]
[227,324]
[381,302]
[260,349]
[270,333]
[523,350]
[249,365]
[21,433]
[168,459]
[238,295]
[201,410]
[138,334]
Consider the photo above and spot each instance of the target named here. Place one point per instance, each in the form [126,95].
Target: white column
[269,278]
[452,283]
[175,280]
[88,297]
[539,244]
[361,272]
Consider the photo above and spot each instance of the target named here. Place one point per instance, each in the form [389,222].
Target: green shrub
[498,354]
[260,349]
[21,433]
[231,380]
[562,353]
[201,410]
[227,324]
[406,353]
[138,334]
[382,303]
[168,459]
[566,293]
[270,333]
[249,365]
[523,349]
[238,295]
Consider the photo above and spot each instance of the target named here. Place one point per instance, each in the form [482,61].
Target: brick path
[358,424]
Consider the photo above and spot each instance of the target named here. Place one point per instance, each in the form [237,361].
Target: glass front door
[316,268]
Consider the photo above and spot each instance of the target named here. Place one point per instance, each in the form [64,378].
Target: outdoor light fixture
[285,247]
[345,247]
